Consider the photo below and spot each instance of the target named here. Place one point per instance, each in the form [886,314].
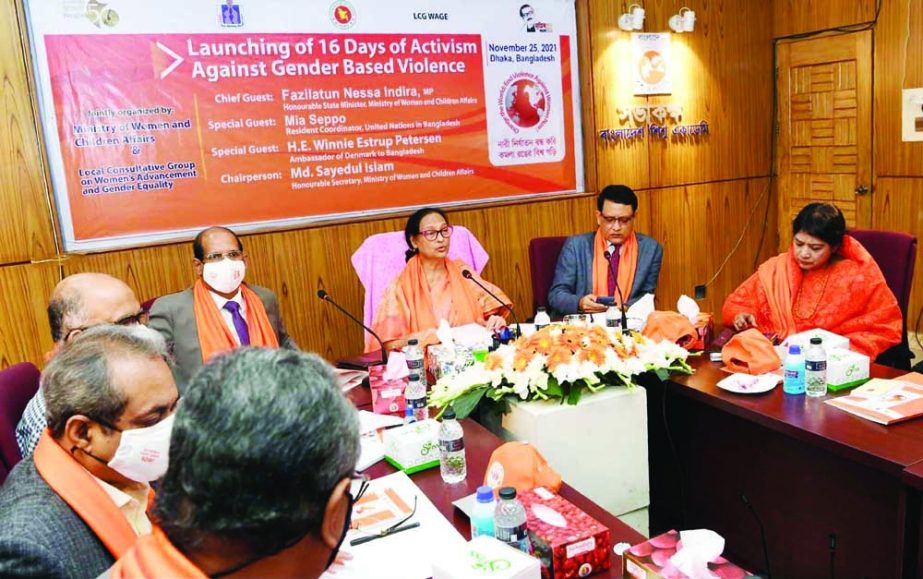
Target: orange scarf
[215,336]
[76,487]
[777,275]
[154,556]
[628,264]
[465,306]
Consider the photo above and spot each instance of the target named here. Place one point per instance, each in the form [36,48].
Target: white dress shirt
[226,315]
[133,505]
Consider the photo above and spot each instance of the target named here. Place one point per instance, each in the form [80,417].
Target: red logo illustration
[525,101]
[342,14]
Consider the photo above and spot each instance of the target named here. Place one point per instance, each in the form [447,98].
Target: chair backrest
[543,258]
[895,253]
[381,257]
[18,384]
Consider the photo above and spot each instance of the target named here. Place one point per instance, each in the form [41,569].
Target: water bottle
[613,317]
[793,368]
[510,521]
[414,354]
[541,318]
[409,418]
[452,465]
[815,369]
[482,516]
[415,398]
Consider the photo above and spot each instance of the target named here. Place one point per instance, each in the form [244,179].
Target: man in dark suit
[219,312]
[582,275]
[80,501]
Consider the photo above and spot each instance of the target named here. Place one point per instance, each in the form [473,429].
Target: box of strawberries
[568,542]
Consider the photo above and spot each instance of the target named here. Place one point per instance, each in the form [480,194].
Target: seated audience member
[583,273]
[78,302]
[219,312]
[79,503]
[261,459]
[825,280]
[432,288]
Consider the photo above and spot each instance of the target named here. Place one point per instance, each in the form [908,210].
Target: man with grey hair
[78,302]
[263,451]
[80,501]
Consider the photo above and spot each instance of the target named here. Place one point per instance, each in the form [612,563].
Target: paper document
[406,555]
[349,379]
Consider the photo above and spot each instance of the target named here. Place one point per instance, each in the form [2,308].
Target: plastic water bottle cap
[449,414]
[508,493]
[413,342]
[485,494]
[816,341]
[794,350]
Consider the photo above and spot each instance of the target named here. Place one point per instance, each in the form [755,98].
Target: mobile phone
[605,300]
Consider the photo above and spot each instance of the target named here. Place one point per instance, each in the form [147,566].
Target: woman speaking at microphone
[432,288]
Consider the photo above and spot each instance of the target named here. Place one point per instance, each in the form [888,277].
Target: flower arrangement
[558,362]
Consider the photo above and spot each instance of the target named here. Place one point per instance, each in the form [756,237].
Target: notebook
[885,401]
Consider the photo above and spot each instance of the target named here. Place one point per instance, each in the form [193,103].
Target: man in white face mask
[80,501]
[219,312]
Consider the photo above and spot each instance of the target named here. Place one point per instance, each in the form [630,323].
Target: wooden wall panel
[24,331]
[698,226]
[898,65]
[25,228]
[899,207]
[624,162]
[799,16]
[723,75]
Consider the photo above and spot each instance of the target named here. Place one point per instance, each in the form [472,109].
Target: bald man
[78,302]
[219,312]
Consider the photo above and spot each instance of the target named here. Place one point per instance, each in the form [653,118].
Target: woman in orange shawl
[825,280]
[432,288]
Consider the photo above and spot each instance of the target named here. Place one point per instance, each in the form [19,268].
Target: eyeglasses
[141,317]
[432,234]
[363,485]
[233,255]
[393,529]
[613,221]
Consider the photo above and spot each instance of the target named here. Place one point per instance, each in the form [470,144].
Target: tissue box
[705,328]
[651,560]
[387,395]
[846,369]
[830,339]
[412,447]
[568,542]
[487,557]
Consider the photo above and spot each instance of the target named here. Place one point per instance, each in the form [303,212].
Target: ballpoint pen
[361,540]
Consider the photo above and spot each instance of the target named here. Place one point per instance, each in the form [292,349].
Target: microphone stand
[322,294]
[608,256]
[467,275]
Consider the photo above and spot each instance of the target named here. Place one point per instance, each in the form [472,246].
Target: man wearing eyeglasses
[219,312]
[77,303]
[259,478]
[595,268]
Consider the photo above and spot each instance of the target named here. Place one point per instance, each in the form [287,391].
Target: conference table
[479,444]
[833,493]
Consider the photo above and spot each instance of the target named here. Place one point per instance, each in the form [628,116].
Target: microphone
[322,294]
[608,256]
[467,275]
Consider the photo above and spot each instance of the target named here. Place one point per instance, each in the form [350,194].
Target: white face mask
[143,453]
[224,276]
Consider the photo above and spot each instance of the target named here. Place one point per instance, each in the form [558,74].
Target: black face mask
[346,523]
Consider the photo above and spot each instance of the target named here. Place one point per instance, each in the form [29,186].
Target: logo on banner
[230,14]
[342,14]
[96,12]
[524,101]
